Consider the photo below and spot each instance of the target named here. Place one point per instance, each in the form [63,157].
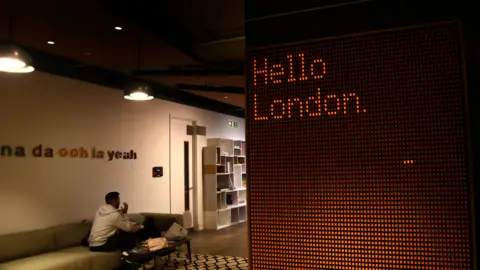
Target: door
[181,193]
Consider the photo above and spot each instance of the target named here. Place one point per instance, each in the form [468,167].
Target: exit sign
[232,124]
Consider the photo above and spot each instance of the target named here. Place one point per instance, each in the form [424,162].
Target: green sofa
[59,247]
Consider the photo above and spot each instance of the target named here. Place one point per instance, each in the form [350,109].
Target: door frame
[194,166]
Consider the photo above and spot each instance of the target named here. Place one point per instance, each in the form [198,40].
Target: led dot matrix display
[357,153]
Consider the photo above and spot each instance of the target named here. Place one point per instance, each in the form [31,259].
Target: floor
[231,241]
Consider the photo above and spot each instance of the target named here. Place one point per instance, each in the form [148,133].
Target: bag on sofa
[176,232]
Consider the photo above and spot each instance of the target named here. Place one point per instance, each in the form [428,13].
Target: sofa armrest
[164,221]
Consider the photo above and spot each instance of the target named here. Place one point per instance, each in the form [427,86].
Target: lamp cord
[139,48]
[10,20]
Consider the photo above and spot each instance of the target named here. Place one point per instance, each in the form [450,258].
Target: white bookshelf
[224,190]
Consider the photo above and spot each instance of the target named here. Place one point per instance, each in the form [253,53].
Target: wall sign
[63,152]
[233,124]
[357,153]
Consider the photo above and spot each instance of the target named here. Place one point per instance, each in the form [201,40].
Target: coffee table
[172,247]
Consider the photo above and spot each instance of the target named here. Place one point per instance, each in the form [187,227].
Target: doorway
[186,175]
[181,184]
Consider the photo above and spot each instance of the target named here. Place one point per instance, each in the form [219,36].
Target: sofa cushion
[70,235]
[106,260]
[99,260]
[24,244]
[75,258]
[50,261]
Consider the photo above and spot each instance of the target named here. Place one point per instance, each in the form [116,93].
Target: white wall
[59,112]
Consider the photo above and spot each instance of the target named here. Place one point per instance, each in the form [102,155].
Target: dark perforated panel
[357,153]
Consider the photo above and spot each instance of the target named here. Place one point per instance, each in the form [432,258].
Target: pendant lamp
[138,91]
[15,60]
[12,58]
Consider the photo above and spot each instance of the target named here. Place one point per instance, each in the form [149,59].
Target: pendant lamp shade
[138,91]
[15,60]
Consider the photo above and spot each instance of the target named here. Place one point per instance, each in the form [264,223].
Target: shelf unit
[224,183]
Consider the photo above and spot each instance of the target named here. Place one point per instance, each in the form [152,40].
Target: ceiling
[198,45]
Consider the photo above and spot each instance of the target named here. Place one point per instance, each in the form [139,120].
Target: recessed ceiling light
[118,28]
[50,42]
[225,97]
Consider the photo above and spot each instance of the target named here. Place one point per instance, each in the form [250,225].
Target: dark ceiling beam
[212,88]
[186,73]
[143,13]
[220,65]
[221,41]
[74,69]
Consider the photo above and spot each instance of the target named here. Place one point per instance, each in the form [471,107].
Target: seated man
[112,230]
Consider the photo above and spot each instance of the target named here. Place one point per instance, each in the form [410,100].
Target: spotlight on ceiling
[138,91]
[118,28]
[15,60]
[50,42]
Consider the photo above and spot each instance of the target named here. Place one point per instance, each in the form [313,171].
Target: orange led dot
[276,71]
[276,116]
[302,67]
[256,114]
[313,69]
[263,71]
[291,69]
[334,112]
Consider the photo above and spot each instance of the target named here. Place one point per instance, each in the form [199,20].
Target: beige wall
[58,112]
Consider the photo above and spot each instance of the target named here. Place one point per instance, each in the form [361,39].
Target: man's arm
[123,224]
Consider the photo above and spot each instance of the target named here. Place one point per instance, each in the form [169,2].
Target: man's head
[113,198]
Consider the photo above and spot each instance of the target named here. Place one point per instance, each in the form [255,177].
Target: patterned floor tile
[178,261]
